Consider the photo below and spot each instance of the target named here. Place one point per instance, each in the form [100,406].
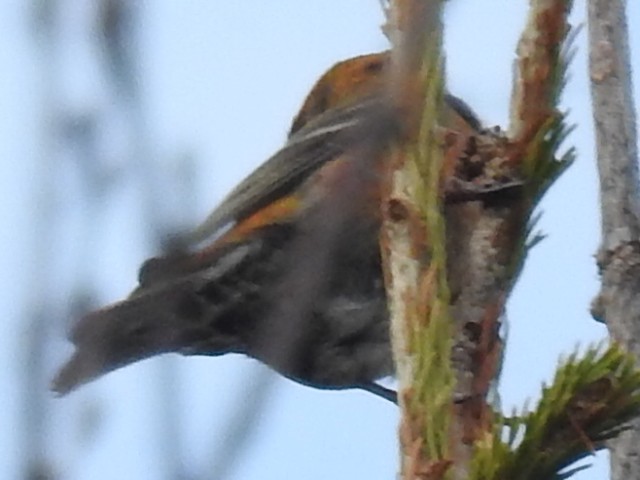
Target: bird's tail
[169,318]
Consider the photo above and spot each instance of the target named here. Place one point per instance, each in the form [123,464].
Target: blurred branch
[40,306]
[618,303]
[117,22]
[66,133]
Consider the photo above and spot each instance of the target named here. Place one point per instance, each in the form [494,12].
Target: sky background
[221,82]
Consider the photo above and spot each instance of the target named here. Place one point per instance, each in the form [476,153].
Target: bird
[287,268]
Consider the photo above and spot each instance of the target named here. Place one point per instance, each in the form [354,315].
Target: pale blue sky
[222,80]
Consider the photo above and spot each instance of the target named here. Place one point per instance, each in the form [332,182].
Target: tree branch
[451,259]
[618,302]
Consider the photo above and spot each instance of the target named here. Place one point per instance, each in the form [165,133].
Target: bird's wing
[320,141]
[265,196]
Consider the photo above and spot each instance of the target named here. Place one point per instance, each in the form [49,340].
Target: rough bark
[453,240]
[449,248]
[618,303]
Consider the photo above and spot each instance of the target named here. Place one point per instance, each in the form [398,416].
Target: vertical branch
[413,239]
[538,71]
[619,257]
[456,219]
[40,302]
[543,55]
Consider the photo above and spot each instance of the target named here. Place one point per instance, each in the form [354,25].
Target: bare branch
[619,258]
